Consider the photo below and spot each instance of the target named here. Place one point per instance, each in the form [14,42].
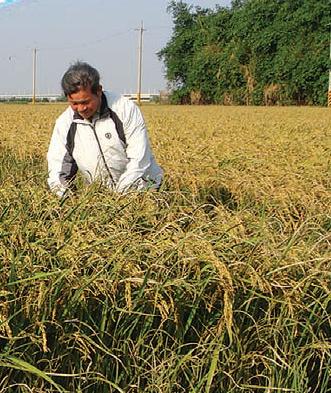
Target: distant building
[28,97]
[144,97]
[164,97]
[160,97]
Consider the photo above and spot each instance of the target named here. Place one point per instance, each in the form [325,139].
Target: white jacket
[113,149]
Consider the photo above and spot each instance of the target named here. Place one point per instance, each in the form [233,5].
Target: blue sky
[4,3]
[101,32]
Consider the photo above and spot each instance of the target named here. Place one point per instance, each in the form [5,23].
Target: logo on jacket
[108,135]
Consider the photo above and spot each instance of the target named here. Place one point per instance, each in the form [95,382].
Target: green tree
[256,52]
[178,53]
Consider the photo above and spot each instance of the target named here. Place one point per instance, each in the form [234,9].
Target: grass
[218,283]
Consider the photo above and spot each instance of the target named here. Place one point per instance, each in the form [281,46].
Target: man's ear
[99,92]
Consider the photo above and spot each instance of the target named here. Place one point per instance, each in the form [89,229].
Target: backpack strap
[118,125]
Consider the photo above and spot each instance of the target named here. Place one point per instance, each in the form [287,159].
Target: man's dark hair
[79,76]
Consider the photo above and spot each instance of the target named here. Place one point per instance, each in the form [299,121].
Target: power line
[12,56]
[87,44]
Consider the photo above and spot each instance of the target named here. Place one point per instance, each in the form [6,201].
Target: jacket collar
[104,109]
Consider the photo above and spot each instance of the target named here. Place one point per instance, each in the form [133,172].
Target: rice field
[219,283]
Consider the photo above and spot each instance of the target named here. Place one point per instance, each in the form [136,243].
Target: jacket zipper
[102,155]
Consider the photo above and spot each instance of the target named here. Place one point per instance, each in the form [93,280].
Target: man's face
[85,102]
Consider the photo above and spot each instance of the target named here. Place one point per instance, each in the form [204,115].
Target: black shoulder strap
[71,138]
[118,125]
[69,166]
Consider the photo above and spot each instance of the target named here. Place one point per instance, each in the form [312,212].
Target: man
[102,135]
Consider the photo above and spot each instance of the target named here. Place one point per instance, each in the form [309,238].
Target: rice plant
[219,283]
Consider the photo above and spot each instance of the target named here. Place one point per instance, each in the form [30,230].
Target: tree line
[256,52]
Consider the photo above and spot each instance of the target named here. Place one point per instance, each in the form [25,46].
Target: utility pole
[329,91]
[34,66]
[140,55]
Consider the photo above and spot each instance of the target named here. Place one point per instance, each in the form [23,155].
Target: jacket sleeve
[138,149]
[62,167]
